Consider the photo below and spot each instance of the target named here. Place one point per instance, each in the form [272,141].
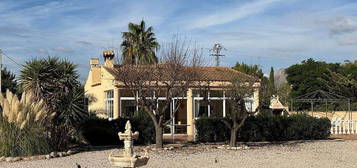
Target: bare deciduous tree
[237,92]
[171,78]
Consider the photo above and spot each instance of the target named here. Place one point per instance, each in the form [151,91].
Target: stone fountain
[128,158]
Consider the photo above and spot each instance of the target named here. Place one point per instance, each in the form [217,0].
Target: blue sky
[275,33]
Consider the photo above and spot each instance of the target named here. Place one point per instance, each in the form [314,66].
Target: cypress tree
[271,86]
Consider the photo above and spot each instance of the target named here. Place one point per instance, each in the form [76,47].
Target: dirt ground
[329,153]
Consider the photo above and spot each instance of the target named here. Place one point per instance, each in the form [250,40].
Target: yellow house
[111,100]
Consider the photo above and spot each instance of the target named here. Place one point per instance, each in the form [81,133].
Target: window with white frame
[109,103]
[209,103]
[214,103]
[201,108]
[128,108]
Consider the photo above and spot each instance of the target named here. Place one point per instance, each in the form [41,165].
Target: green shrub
[142,123]
[99,132]
[211,130]
[307,127]
[266,128]
[103,132]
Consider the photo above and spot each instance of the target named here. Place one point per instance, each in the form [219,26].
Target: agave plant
[24,111]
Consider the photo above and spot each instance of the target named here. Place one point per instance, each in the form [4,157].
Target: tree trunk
[158,138]
[234,131]
[233,139]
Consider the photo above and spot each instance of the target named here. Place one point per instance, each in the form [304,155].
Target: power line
[11,59]
[1,63]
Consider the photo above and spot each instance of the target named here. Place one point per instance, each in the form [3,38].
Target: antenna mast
[216,52]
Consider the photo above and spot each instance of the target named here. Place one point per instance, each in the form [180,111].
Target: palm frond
[139,44]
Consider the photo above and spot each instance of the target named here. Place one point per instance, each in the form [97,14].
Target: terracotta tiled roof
[221,74]
[205,73]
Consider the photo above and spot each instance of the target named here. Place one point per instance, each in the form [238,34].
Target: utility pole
[217,52]
[0,69]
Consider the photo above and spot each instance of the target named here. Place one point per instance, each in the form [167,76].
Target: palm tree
[139,45]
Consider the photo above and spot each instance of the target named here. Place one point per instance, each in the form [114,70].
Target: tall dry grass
[22,131]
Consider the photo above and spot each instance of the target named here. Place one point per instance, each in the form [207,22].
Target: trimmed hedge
[99,131]
[266,128]
[211,129]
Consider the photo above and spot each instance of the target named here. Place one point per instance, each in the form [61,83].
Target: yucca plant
[21,125]
[55,81]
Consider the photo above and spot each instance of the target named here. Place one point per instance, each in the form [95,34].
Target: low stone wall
[332,115]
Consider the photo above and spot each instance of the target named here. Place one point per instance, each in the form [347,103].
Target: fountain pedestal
[128,158]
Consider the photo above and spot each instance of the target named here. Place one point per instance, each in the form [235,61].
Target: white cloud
[85,43]
[42,51]
[25,16]
[339,25]
[62,49]
[231,14]
[348,41]
[79,31]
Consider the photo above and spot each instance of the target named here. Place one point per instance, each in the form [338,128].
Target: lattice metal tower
[216,52]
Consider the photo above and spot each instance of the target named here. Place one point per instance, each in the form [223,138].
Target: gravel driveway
[324,154]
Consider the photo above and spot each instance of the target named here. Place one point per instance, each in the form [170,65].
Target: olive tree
[238,92]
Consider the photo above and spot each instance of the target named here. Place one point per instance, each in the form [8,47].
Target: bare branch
[169,79]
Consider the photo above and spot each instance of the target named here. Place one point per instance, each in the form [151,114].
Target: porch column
[116,103]
[190,115]
[224,104]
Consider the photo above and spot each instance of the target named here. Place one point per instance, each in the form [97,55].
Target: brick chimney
[108,58]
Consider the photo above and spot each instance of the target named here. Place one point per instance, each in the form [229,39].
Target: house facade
[109,98]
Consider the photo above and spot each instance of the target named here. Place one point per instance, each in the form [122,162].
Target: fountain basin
[124,161]
[128,158]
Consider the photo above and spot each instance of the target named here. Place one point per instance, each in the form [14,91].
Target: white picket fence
[344,127]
